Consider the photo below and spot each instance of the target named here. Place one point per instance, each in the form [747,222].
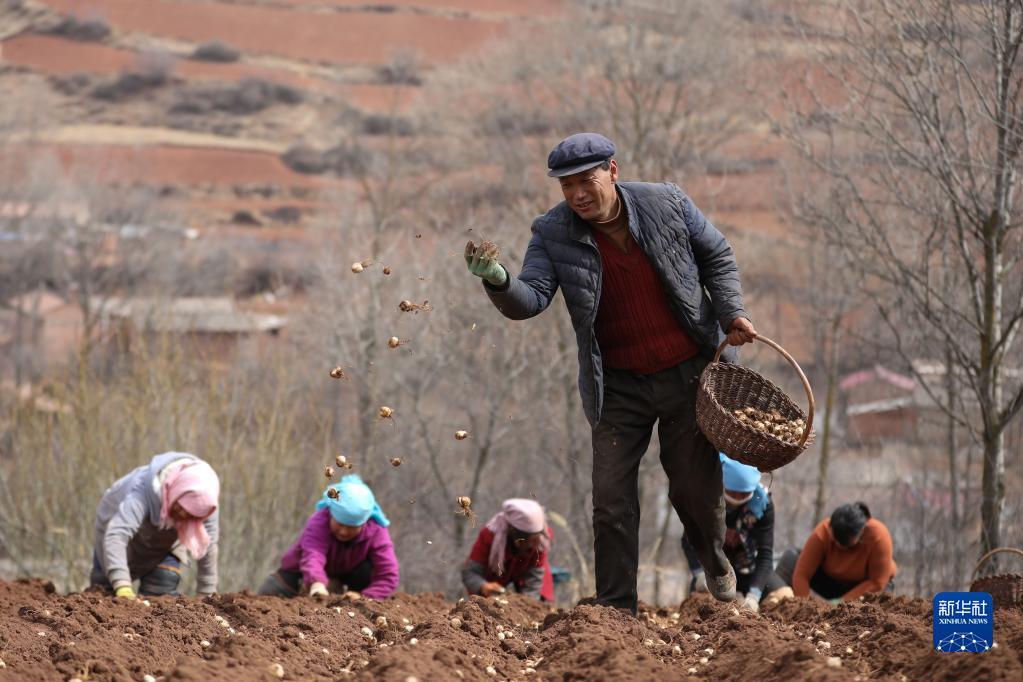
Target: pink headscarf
[194,485]
[523,515]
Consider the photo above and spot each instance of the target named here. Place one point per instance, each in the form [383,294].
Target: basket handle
[799,371]
[990,554]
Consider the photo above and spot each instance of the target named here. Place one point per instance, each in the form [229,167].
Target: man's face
[591,194]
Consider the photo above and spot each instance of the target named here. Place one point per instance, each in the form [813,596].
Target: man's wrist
[498,278]
[499,286]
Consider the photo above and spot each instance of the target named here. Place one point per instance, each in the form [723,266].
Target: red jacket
[516,566]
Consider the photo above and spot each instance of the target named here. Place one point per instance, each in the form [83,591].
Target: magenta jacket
[318,554]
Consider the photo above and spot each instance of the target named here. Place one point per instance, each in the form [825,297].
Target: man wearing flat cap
[652,288]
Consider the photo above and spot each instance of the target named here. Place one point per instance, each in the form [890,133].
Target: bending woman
[148,522]
[845,557]
[512,550]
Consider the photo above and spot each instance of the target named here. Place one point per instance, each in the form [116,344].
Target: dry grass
[257,432]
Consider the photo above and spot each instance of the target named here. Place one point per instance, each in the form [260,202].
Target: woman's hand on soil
[317,590]
[124,592]
[491,588]
[751,603]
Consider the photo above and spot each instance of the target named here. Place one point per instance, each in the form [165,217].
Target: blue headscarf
[355,503]
[744,478]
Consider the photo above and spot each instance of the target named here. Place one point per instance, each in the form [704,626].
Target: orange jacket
[868,566]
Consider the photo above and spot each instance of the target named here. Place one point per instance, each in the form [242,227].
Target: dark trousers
[164,579]
[742,583]
[821,583]
[633,403]
[289,583]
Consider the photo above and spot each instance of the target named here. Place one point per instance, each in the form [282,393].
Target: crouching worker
[344,547]
[749,535]
[148,522]
[512,550]
[845,557]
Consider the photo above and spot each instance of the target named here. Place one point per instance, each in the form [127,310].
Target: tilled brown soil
[45,636]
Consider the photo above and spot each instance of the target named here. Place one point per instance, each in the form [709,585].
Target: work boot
[723,586]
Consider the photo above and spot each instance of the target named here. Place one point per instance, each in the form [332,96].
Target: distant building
[879,404]
[215,327]
[36,329]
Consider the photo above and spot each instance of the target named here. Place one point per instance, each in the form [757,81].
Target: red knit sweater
[635,328]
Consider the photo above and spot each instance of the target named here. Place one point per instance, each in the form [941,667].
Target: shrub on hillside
[348,159]
[343,160]
[216,51]
[507,121]
[126,85]
[403,69]
[271,277]
[289,215]
[247,97]
[381,124]
[151,70]
[72,84]
[244,217]
[304,159]
[86,30]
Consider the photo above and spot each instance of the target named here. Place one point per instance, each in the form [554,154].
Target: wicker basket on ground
[1006,589]
[727,387]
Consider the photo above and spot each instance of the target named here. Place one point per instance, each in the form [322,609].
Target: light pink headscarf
[194,485]
[523,515]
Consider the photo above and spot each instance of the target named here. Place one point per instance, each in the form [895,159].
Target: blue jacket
[694,261]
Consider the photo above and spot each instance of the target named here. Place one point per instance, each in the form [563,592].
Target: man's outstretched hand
[482,262]
[741,331]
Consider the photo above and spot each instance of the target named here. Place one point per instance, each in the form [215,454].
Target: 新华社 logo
[963,622]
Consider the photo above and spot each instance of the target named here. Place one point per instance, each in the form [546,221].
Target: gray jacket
[129,540]
[693,259]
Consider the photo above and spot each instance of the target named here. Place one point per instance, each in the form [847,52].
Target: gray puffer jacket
[693,259]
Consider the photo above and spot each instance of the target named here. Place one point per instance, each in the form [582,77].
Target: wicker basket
[1006,589]
[726,387]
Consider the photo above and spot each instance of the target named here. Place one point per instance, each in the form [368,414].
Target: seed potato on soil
[309,640]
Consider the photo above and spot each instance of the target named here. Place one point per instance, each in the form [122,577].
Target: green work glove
[124,592]
[482,262]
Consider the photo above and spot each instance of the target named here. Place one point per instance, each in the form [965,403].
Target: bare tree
[915,133]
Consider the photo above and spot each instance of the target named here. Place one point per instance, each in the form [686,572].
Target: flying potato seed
[357,267]
[465,509]
[408,306]
[396,461]
[332,493]
[386,412]
[338,373]
[394,342]
[328,471]
[461,435]
[387,271]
